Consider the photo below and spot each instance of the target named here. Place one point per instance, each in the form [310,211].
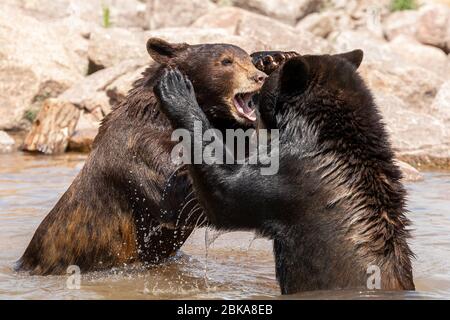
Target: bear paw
[175,94]
[269,61]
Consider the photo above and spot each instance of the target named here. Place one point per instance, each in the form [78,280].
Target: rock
[405,85]
[409,130]
[417,137]
[320,24]
[430,25]
[341,16]
[435,157]
[118,89]
[72,119]
[85,132]
[416,86]
[441,104]
[110,94]
[415,80]
[6,142]
[410,174]
[401,23]
[109,47]
[375,49]
[409,50]
[275,35]
[175,13]
[34,65]
[131,44]
[433,26]
[51,130]
[82,140]
[74,34]
[365,15]
[360,9]
[126,14]
[286,11]
[195,35]
[93,97]
[90,94]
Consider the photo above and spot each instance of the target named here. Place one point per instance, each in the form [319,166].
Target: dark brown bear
[107,216]
[336,207]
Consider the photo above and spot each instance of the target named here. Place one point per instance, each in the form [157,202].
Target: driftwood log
[52,128]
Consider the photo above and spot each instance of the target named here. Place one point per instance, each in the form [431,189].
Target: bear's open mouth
[245,106]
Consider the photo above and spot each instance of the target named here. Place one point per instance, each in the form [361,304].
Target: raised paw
[173,87]
[269,61]
[175,94]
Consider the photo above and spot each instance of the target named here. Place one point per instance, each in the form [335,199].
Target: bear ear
[354,57]
[162,51]
[294,75]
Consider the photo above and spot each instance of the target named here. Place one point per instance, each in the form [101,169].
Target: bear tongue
[243,109]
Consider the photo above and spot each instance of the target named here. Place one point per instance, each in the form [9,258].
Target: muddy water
[236,265]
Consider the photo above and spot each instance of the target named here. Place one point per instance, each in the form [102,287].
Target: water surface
[236,265]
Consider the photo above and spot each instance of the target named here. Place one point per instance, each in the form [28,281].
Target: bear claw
[269,61]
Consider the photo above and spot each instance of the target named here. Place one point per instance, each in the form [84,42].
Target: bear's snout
[259,77]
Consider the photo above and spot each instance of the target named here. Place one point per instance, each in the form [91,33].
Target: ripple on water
[238,265]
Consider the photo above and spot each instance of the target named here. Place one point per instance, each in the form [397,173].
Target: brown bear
[107,216]
[336,208]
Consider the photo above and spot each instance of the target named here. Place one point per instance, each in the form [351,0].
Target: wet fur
[337,205]
[110,215]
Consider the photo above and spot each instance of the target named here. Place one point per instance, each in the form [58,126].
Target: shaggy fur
[109,216]
[337,205]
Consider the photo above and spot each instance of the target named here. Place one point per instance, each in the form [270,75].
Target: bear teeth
[245,106]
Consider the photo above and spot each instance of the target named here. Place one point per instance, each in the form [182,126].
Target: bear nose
[259,77]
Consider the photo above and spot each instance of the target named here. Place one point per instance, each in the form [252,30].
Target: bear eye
[227,61]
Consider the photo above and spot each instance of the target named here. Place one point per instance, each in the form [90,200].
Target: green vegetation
[106,17]
[326,5]
[30,114]
[400,5]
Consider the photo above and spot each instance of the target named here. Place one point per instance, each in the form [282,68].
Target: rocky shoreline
[65,64]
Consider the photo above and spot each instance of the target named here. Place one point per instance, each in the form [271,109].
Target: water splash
[211,235]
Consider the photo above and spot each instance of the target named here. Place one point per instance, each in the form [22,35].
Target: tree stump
[52,128]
